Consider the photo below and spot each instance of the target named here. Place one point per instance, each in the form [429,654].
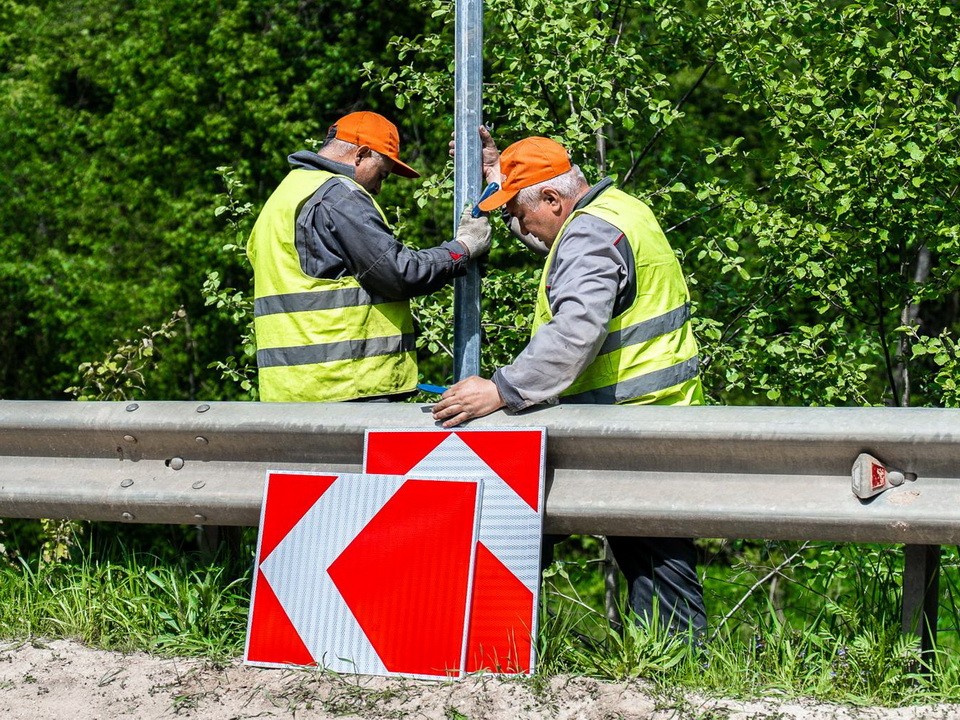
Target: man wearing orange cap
[332,284]
[611,326]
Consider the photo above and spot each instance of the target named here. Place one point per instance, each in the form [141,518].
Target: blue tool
[435,389]
[487,192]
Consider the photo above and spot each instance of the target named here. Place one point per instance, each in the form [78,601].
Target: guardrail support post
[921,595]
[611,587]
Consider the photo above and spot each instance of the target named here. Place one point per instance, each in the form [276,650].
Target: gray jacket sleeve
[343,234]
[587,274]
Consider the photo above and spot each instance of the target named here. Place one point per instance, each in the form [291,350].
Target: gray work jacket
[592,279]
[340,233]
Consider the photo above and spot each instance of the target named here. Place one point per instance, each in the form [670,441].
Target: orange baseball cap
[525,163]
[377,133]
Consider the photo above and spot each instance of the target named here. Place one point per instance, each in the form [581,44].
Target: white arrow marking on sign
[297,572]
[502,512]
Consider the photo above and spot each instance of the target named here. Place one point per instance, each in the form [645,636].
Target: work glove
[474,234]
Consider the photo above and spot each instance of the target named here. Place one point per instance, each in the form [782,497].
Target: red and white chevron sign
[506,582]
[364,573]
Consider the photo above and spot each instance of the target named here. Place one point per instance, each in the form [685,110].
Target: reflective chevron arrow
[364,573]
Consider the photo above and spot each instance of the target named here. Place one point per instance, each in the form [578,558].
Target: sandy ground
[62,679]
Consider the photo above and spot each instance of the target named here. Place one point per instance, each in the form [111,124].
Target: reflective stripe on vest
[306,301]
[317,339]
[641,385]
[649,354]
[332,352]
[646,329]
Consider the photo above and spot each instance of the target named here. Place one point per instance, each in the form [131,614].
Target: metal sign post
[468,85]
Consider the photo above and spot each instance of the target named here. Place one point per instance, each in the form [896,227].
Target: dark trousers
[655,567]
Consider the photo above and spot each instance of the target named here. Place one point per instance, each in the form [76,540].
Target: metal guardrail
[778,473]
[737,472]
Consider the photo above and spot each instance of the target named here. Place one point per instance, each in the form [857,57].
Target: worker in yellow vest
[611,326]
[331,282]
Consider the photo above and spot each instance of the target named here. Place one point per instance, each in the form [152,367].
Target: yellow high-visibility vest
[650,354]
[320,340]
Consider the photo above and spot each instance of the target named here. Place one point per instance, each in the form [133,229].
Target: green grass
[789,619]
[138,603]
[786,619]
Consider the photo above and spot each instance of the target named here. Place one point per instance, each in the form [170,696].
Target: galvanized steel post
[468,85]
[921,596]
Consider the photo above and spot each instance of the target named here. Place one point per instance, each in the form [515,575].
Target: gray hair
[334,147]
[568,185]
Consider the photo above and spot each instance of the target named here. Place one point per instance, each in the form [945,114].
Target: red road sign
[364,573]
[507,576]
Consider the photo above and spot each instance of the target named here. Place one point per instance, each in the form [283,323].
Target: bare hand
[472,397]
[489,155]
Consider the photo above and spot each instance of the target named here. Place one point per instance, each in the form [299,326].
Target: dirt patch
[63,679]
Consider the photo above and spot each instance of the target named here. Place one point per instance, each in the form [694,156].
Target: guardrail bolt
[198,484]
[175,463]
[126,482]
[201,440]
[203,408]
[199,518]
[126,516]
[129,438]
[132,406]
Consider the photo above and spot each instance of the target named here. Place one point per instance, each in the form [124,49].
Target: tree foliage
[113,118]
[850,249]
[802,157]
